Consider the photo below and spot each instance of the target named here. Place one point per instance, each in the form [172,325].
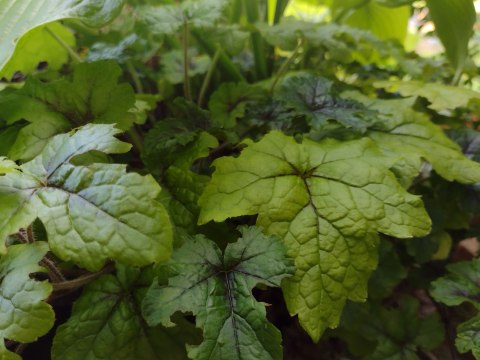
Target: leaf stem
[208,78]
[285,65]
[82,280]
[136,139]
[186,62]
[67,47]
[53,271]
[258,44]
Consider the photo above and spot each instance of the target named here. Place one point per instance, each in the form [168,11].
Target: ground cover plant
[238,179]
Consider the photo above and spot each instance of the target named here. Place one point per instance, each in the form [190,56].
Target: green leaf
[406,133]
[93,95]
[168,19]
[460,285]
[384,22]
[454,22]
[228,103]
[173,65]
[327,200]
[91,213]
[469,141]
[216,288]
[440,96]
[39,45]
[185,186]
[398,333]
[316,98]
[25,314]
[106,323]
[7,166]
[468,337]
[19,16]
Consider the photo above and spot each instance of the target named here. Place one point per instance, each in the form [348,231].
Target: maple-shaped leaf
[328,201]
[462,284]
[440,96]
[216,288]
[91,213]
[316,99]
[410,135]
[25,314]
[93,95]
[397,334]
[106,323]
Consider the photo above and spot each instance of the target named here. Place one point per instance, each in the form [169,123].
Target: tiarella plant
[237,179]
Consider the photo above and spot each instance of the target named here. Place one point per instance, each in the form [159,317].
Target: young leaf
[398,333]
[327,200]
[106,323]
[468,338]
[19,16]
[7,166]
[440,96]
[168,19]
[25,314]
[217,288]
[91,213]
[93,95]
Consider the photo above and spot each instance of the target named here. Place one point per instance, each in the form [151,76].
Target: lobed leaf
[216,288]
[25,315]
[91,213]
[327,201]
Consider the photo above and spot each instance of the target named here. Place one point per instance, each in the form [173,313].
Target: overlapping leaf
[396,333]
[19,16]
[106,323]
[25,315]
[327,200]
[216,288]
[410,135]
[460,285]
[91,213]
[92,96]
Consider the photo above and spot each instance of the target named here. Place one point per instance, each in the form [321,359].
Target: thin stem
[258,44]
[30,234]
[280,7]
[136,79]
[82,280]
[53,271]
[285,65]
[208,77]
[67,47]
[186,62]
[136,139]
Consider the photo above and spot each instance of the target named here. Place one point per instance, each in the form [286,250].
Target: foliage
[223,181]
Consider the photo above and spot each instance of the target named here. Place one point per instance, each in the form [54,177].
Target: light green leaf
[39,45]
[106,323]
[327,200]
[93,95]
[17,17]
[25,315]
[384,22]
[173,65]
[410,135]
[454,22]
[7,166]
[168,19]
[216,288]
[91,213]
[398,333]
[440,96]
